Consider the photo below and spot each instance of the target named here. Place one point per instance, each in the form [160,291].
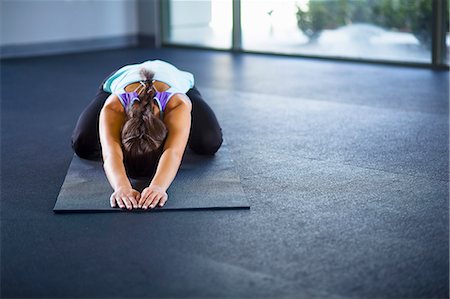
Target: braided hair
[143,134]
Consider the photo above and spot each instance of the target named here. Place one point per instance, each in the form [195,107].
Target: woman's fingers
[149,200]
[125,198]
[155,201]
[126,201]
[119,202]
[146,197]
[143,198]
[163,200]
[133,201]
[112,200]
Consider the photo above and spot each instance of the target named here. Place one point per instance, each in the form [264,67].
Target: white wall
[29,21]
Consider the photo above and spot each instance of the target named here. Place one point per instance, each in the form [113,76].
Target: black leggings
[205,137]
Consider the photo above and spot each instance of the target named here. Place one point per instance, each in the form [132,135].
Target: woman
[139,123]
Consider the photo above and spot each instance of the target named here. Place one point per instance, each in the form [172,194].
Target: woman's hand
[125,197]
[151,196]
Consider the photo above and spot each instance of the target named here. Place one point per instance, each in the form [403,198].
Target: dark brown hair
[143,134]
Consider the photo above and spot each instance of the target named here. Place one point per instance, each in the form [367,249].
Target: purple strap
[163,98]
[128,98]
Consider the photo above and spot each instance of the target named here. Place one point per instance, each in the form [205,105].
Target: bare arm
[178,122]
[111,120]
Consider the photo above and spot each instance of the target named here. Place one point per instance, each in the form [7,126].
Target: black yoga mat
[202,182]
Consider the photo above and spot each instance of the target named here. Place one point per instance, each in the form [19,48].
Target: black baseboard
[63,47]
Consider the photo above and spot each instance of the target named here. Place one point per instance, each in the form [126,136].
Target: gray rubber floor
[345,166]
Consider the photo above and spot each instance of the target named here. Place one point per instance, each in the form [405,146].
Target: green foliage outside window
[413,16]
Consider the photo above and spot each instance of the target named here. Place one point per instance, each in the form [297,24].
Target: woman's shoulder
[113,102]
[178,99]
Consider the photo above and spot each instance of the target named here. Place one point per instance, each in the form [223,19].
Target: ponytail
[143,133]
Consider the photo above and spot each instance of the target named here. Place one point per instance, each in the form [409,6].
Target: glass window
[447,35]
[399,30]
[200,23]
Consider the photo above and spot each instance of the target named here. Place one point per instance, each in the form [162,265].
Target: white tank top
[179,81]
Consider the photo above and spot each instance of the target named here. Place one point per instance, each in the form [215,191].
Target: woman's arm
[112,117]
[178,121]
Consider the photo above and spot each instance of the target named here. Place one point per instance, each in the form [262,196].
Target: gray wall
[149,19]
[29,26]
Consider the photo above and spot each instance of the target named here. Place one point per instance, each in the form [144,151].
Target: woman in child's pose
[139,123]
